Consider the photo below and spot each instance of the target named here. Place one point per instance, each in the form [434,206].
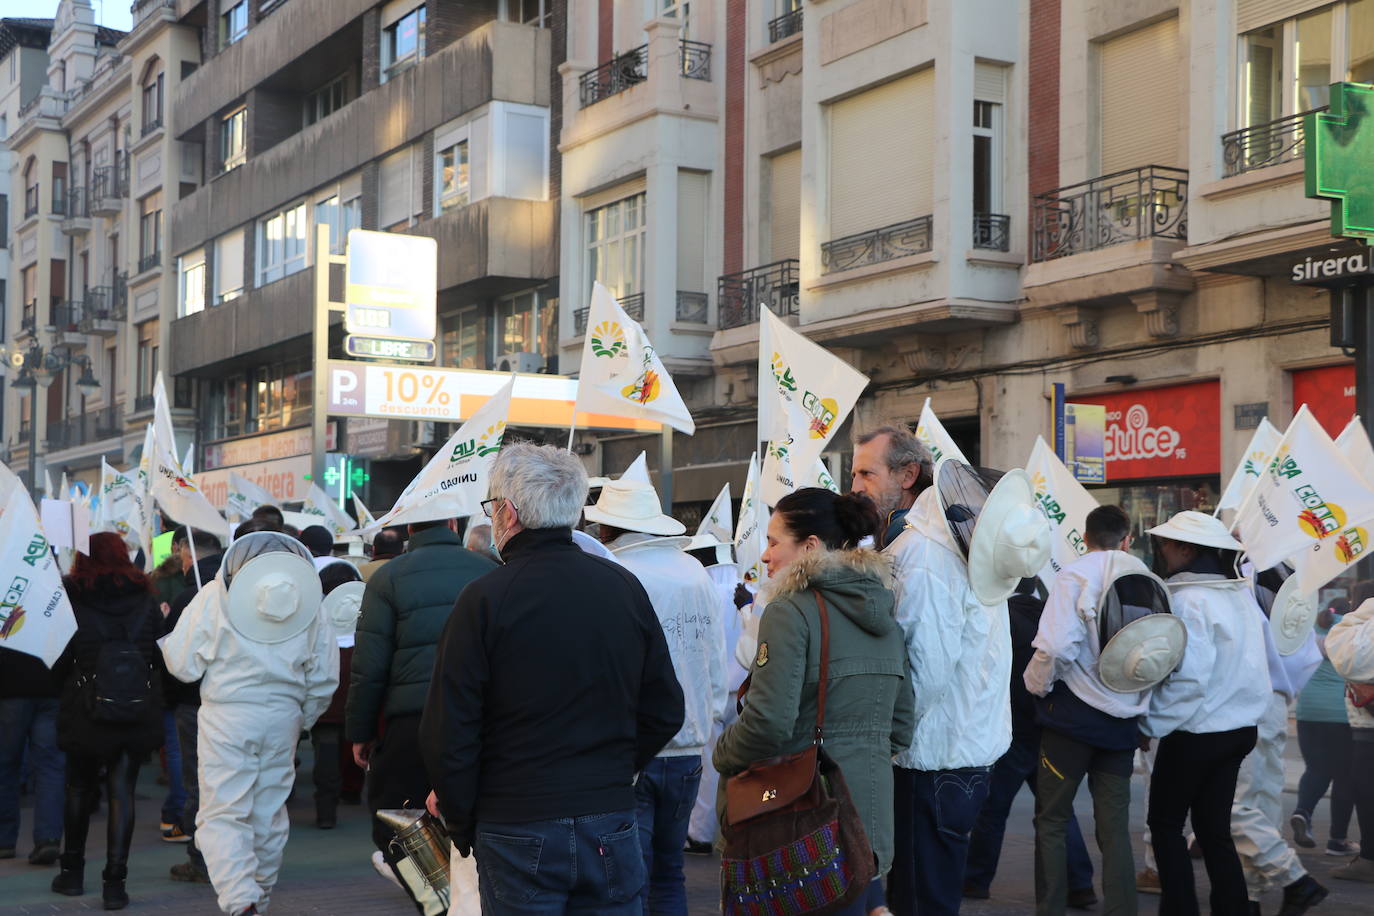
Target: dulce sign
[1161,432]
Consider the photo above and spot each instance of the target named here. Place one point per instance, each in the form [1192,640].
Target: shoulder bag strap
[825,666]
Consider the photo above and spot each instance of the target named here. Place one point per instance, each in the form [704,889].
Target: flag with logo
[805,391]
[365,516]
[933,436]
[143,485]
[9,481]
[751,531]
[777,479]
[243,497]
[324,511]
[1308,497]
[454,483]
[170,486]
[621,373]
[1252,461]
[1064,502]
[1328,558]
[35,616]
[121,504]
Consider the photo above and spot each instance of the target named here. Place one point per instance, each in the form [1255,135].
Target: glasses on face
[489,506]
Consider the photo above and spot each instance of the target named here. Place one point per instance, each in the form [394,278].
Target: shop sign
[1329,392]
[1248,416]
[1162,432]
[284,478]
[269,447]
[1324,271]
[1085,431]
[390,289]
[367,438]
[1340,142]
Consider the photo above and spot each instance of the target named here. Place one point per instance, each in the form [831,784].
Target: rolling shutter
[990,83]
[1251,14]
[784,220]
[1141,98]
[393,189]
[692,198]
[228,264]
[885,134]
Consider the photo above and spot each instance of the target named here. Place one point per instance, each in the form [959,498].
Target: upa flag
[1328,558]
[170,487]
[121,504]
[933,436]
[1309,497]
[324,511]
[621,374]
[751,532]
[243,496]
[805,391]
[454,483]
[9,481]
[1062,500]
[1252,461]
[778,479]
[35,616]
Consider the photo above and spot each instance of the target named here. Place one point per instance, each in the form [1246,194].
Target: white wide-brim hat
[1142,653]
[632,506]
[343,605]
[704,540]
[274,597]
[1292,616]
[1197,528]
[1011,539]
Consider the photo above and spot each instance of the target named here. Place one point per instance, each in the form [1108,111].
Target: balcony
[119,296]
[98,312]
[693,308]
[633,306]
[992,231]
[91,426]
[76,217]
[1150,202]
[109,187]
[739,296]
[48,103]
[28,320]
[1262,145]
[152,126]
[695,59]
[143,403]
[614,76]
[65,319]
[785,26]
[875,246]
[149,261]
[31,202]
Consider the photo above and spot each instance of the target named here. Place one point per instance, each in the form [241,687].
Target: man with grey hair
[552,688]
[891,467]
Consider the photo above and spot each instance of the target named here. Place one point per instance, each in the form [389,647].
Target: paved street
[328,872]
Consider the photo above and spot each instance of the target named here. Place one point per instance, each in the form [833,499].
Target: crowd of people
[574,687]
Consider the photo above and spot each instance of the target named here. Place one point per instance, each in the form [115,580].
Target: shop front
[277,462]
[1329,392]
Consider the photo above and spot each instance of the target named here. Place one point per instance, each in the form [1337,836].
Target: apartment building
[430,117]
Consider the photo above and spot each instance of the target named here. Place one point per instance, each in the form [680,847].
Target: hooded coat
[869,705]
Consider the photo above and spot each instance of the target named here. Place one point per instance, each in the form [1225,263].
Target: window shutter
[416,202]
[393,189]
[1141,98]
[990,83]
[784,219]
[691,231]
[1251,14]
[886,131]
[228,262]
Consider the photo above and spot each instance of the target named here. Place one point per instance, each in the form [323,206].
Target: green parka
[869,705]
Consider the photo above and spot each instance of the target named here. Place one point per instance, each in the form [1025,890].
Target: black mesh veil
[963,491]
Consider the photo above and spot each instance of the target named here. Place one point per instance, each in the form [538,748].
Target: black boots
[112,892]
[70,880]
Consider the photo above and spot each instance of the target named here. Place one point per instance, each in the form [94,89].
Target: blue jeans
[588,864]
[665,793]
[31,721]
[935,813]
[175,801]
[1016,767]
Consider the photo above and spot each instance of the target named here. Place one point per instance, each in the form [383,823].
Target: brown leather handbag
[793,839]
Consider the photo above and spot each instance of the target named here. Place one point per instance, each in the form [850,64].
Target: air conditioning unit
[520,362]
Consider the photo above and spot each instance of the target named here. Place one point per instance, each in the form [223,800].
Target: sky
[112,13]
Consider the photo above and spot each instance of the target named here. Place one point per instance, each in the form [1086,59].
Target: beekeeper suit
[257,637]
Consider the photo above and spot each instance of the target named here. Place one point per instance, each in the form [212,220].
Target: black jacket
[174,692]
[1024,613]
[24,675]
[552,687]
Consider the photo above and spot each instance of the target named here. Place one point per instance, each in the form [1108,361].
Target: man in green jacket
[404,610]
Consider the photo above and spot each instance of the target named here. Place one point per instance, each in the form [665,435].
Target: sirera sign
[1336,269]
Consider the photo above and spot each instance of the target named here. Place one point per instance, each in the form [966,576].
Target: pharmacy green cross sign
[1340,159]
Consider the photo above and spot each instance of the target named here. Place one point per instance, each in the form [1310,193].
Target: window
[146,369]
[615,246]
[403,43]
[233,151]
[277,396]
[1314,59]
[191,280]
[326,100]
[1287,67]
[675,9]
[528,12]
[149,231]
[1262,76]
[30,187]
[4,220]
[462,339]
[1359,31]
[352,219]
[282,244]
[987,161]
[233,23]
[453,176]
[152,103]
[59,187]
[228,280]
[517,324]
[327,214]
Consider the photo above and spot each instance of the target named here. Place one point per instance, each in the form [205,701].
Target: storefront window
[1151,503]
[517,324]
[462,340]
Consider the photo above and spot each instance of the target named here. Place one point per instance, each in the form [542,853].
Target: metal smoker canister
[423,840]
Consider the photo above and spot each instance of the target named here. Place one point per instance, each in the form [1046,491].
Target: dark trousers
[396,778]
[1326,755]
[935,813]
[325,739]
[1195,774]
[1362,762]
[188,734]
[664,796]
[589,864]
[83,792]
[1064,761]
[175,801]
[30,722]
[1017,767]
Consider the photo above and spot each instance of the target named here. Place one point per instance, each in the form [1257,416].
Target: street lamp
[39,367]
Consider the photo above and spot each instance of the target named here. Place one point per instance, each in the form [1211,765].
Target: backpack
[119,688]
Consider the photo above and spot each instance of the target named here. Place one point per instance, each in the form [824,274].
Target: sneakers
[383,869]
[1346,848]
[974,892]
[1302,829]
[1147,881]
[1358,869]
[185,871]
[172,833]
[1082,898]
[1301,896]
[44,852]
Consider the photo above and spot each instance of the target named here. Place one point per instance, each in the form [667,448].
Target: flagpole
[195,562]
[572,429]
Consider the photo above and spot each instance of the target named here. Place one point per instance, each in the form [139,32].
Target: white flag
[171,488]
[1355,446]
[1252,461]
[821,477]
[35,616]
[715,524]
[47,483]
[1062,500]
[143,485]
[365,516]
[933,436]
[751,532]
[324,511]
[454,483]
[777,479]
[805,391]
[188,463]
[121,504]
[9,481]
[64,489]
[638,470]
[621,373]
[1306,499]
[243,496]
[1328,558]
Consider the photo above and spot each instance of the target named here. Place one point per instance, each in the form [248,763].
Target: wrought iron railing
[30,201]
[693,308]
[992,231]
[632,304]
[785,26]
[614,76]
[1148,202]
[1261,145]
[28,318]
[775,286]
[149,261]
[695,59]
[898,240]
[97,306]
[152,125]
[76,204]
[143,402]
[66,316]
[110,181]
[91,426]
[119,296]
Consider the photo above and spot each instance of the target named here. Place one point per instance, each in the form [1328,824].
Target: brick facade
[605,30]
[372,50]
[1042,142]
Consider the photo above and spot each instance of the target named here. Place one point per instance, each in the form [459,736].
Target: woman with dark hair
[110,714]
[813,553]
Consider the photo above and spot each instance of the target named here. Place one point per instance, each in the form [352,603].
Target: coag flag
[1328,558]
[751,532]
[324,511]
[170,486]
[1252,462]
[621,373]
[243,497]
[805,391]
[454,483]
[35,616]
[1062,500]
[933,436]
[1308,497]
